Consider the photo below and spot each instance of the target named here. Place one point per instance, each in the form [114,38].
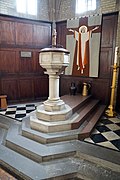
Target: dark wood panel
[41,35]
[98,90]
[10,88]
[7,32]
[41,86]
[65,83]
[61,33]
[12,62]
[101,90]
[19,76]
[24,34]
[26,64]
[8,61]
[26,89]
[108,32]
[106,56]
[18,32]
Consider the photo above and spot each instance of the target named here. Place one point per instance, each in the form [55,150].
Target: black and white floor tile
[18,112]
[106,133]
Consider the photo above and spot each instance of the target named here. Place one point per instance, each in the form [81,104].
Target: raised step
[64,136]
[90,163]
[5,122]
[36,151]
[45,138]
[63,114]
[72,123]
[27,169]
[87,130]
[61,160]
[75,102]
[84,112]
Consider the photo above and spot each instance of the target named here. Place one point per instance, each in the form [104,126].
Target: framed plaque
[25,54]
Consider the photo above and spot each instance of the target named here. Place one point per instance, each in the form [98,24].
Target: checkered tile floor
[18,111]
[106,133]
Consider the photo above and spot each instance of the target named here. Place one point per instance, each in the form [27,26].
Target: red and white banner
[83,42]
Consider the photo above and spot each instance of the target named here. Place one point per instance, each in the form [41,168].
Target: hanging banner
[83,42]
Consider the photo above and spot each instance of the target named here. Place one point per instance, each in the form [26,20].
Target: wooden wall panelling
[18,74]
[108,32]
[100,90]
[41,35]
[24,33]
[108,44]
[26,89]
[106,56]
[97,89]
[61,33]
[41,85]
[65,83]
[7,32]
[10,88]
[26,64]
[30,64]
[8,61]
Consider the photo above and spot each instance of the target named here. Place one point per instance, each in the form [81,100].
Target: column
[53,88]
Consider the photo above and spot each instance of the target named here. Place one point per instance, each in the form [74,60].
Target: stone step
[27,169]
[87,130]
[64,136]
[71,106]
[36,151]
[59,160]
[90,163]
[5,122]
[2,135]
[86,110]
[72,123]
[45,138]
